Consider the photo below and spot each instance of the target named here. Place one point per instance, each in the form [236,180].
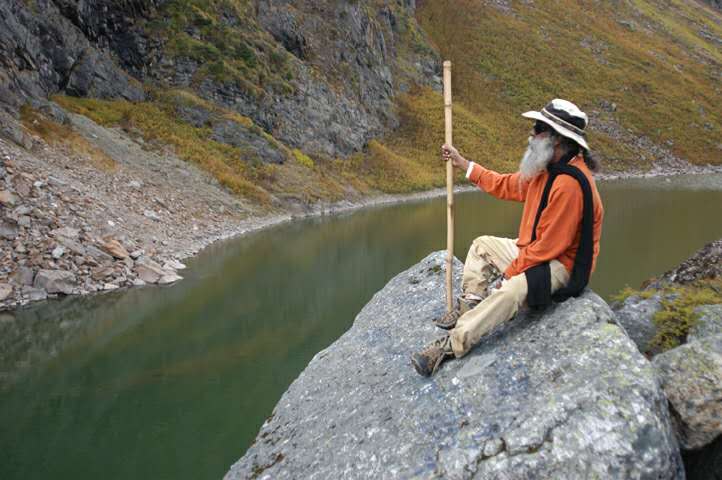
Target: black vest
[539,276]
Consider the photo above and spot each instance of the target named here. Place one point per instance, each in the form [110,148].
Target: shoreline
[179,247]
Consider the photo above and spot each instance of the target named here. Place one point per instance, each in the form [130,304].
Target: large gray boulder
[564,394]
[691,376]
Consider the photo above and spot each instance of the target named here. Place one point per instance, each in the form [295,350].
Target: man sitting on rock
[558,239]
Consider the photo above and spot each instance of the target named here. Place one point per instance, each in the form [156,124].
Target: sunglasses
[541,127]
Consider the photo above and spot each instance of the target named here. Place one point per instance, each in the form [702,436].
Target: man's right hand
[449,153]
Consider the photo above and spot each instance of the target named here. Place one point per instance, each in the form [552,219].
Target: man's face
[538,154]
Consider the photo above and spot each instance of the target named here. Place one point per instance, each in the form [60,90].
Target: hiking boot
[427,361]
[448,320]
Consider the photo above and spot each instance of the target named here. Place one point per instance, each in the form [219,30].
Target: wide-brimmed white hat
[565,118]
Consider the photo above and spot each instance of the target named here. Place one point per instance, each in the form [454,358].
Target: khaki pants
[486,255]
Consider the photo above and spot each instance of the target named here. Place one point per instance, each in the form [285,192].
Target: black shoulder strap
[539,276]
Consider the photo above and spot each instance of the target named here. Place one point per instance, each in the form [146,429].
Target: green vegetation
[302,158]
[238,51]
[661,74]
[63,136]
[677,316]
[646,57]
[628,291]
[158,124]
[239,169]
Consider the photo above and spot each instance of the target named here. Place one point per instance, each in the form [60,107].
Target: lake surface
[174,382]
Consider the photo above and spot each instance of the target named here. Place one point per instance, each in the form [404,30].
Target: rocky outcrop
[705,263]
[564,394]
[691,376]
[42,54]
[346,62]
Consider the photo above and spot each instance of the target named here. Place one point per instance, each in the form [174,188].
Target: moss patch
[676,316]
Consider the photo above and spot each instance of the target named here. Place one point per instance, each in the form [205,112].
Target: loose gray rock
[7,199]
[55,281]
[635,315]
[8,229]
[691,376]
[708,324]
[5,291]
[24,276]
[565,394]
[149,271]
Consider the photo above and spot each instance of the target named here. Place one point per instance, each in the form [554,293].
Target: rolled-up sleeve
[506,186]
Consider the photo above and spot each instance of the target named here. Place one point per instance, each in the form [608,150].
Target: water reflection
[161,382]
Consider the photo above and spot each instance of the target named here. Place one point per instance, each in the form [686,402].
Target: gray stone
[5,291]
[58,252]
[151,214]
[691,376]
[563,394]
[169,278]
[7,199]
[98,254]
[237,135]
[66,232]
[708,324]
[55,281]
[149,271]
[34,294]
[635,315]
[8,229]
[173,265]
[71,245]
[24,276]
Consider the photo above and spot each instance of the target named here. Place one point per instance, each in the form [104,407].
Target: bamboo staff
[449,190]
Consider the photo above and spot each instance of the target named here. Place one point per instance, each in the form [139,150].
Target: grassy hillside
[647,73]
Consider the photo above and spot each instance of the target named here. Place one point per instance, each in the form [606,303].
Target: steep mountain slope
[647,72]
[248,90]
[290,102]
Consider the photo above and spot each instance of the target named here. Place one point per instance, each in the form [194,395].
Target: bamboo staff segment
[449,190]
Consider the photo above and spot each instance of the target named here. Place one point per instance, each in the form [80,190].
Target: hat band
[563,123]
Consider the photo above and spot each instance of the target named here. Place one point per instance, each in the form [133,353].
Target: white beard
[536,158]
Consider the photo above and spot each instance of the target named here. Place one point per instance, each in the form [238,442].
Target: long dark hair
[570,146]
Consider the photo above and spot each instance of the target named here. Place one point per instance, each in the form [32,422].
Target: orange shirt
[560,225]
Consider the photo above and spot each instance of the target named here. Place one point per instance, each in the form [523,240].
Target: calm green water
[175,382]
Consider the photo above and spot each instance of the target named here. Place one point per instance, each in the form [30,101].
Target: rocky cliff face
[321,76]
[565,394]
[48,46]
